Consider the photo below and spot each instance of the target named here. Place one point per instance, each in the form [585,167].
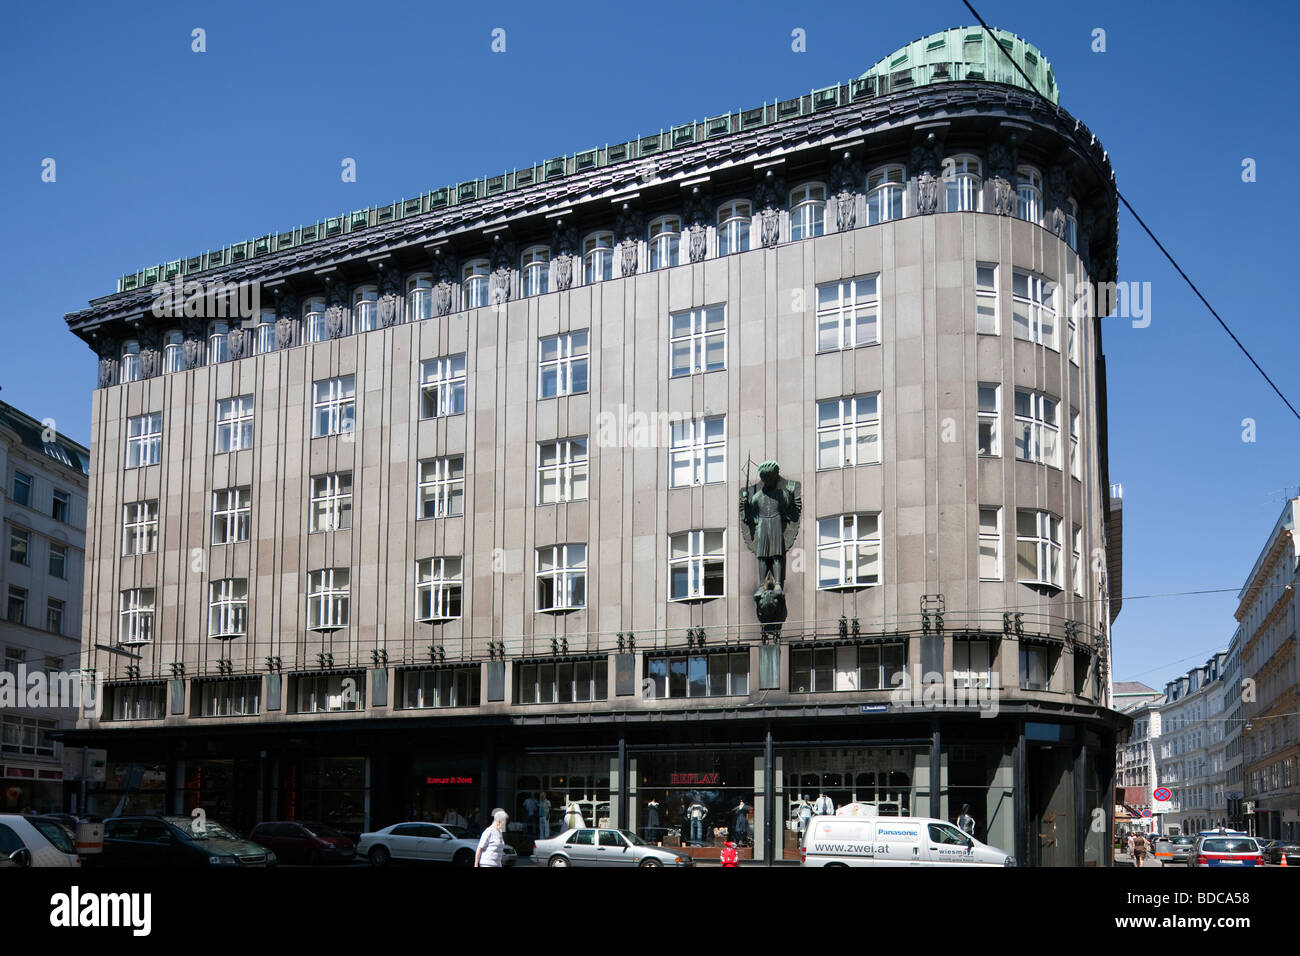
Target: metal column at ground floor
[1035,786]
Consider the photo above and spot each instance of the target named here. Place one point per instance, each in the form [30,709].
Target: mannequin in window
[824,806]
[740,829]
[572,815]
[966,822]
[803,812]
[544,815]
[697,813]
[652,821]
[452,818]
[530,813]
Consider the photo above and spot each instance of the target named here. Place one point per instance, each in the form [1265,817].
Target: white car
[428,842]
[36,841]
[590,846]
[894,841]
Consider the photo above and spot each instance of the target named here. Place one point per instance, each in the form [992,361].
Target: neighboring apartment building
[1233,708]
[452,520]
[43,508]
[1189,759]
[1266,611]
[1135,767]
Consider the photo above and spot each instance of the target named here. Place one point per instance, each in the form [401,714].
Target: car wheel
[651,861]
[558,860]
[313,858]
[379,856]
[463,858]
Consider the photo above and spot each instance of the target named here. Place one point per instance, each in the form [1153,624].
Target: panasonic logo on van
[908,833]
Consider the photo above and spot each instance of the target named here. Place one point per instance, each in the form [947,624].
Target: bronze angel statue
[769,522]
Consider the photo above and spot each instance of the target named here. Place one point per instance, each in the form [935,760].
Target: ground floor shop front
[1038,789]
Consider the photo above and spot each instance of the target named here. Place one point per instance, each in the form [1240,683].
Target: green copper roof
[966,53]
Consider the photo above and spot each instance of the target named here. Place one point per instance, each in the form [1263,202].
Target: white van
[894,841]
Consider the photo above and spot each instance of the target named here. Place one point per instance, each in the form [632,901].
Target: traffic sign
[1162,794]
[1146,813]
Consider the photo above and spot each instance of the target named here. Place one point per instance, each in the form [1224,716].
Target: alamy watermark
[214,300]
[55,689]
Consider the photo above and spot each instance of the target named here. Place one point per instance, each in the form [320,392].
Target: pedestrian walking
[1140,847]
[492,844]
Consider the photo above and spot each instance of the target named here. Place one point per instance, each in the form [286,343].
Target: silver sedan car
[592,847]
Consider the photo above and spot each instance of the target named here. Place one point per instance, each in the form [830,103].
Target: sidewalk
[1148,862]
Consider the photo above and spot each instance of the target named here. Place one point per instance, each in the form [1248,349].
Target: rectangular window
[848,431]
[1038,428]
[821,670]
[62,506]
[136,702]
[848,314]
[442,487]
[698,452]
[331,502]
[562,471]
[232,510]
[54,616]
[228,608]
[20,545]
[135,616]
[442,387]
[59,561]
[848,551]
[718,674]
[144,440]
[22,489]
[990,544]
[972,664]
[234,424]
[334,402]
[226,698]
[990,412]
[1076,466]
[437,589]
[440,687]
[562,682]
[139,528]
[1035,667]
[327,599]
[1038,548]
[696,565]
[13,657]
[1076,560]
[562,577]
[1033,308]
[17,613]
[562,365]
[698,340]
[986,298]
[327,693]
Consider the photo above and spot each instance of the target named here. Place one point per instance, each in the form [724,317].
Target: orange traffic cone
[1283,855]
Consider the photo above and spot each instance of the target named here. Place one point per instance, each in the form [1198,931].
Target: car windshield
[57,834]
[320,830]
[1229,845]
[1184,841]
[211,829]
[633,839]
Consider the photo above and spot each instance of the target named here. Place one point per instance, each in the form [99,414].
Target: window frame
[1029,309]
[570,468]
[848,429]
[841,545]
[334,413]
[807,211]
[991,539]
[1029,194]
[329,504]
[535,270]
[476,283]
[566,576]
[442,590]
[135,622]
[419,296]
[440,488]
[853,303]
[690,446]
[1038,431]
[886,183]
[234,424]
[24,481]
[731,220]
[228,608]
[60,550]
[698,339]
[964,185]
[365,308]
[988,316]
[132,530]
[597,257]
[562,368]
[232,512]
[444,386]
[665,243]
[701,564]
[1045,542]
[329,590]
[143,449]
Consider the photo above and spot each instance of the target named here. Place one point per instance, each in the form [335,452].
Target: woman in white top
[492,844]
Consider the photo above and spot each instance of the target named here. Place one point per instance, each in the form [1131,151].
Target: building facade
[1270,692]
[451,519]
[43,509]
[1190,752]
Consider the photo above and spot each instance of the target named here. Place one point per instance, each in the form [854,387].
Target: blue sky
[163,153]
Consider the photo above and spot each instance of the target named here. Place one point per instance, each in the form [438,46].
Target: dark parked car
[1275,849]
[142,841]
[312,843]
